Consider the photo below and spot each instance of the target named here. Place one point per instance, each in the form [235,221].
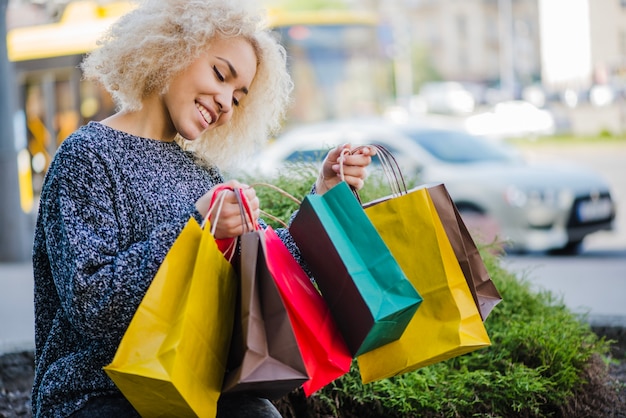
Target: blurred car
[311,143]
[533,207]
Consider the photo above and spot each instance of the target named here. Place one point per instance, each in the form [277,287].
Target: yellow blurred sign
[25,180]
[83,22]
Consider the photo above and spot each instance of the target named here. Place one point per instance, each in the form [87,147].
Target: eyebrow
[233,72]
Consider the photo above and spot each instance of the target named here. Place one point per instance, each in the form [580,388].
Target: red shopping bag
[324,351]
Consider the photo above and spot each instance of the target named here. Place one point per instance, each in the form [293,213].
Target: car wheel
[571,248]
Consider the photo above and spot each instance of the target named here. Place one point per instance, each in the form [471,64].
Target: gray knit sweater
[111,207]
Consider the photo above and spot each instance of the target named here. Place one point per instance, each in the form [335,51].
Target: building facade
[503,42]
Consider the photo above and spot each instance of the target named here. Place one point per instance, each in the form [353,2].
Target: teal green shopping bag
[368,294]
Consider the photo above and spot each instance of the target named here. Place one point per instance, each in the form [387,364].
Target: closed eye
[218,74]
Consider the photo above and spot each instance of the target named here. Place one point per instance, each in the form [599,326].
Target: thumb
[335,154]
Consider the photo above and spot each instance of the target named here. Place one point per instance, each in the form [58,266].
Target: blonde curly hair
[144,49]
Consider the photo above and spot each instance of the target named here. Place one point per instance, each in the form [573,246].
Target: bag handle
[244,204]
[282,192]
[279,190]
[218,199]
[389,165]
[244,209]
[217,192]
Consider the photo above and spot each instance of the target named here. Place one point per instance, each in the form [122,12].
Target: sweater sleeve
[99,279]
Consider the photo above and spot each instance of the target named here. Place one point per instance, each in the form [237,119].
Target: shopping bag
[368,294]
[324,351]
[483,290]
[447,323]
[264,358]
[172,358]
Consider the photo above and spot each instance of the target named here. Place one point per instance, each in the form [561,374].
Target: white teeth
[205,113]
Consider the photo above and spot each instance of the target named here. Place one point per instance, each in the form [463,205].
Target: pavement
[17,317]
[602,298]
[595,289]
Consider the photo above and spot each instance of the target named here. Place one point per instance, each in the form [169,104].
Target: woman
[197,83]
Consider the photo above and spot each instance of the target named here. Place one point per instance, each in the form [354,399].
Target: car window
[313,156]
[459,147]
[317,155]
[306,156]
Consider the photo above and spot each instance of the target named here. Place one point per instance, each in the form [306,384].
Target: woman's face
[206,94]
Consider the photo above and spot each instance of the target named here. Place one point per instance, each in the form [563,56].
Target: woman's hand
[354,168]
[228,222]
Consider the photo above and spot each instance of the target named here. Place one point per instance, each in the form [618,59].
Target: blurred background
[502,69]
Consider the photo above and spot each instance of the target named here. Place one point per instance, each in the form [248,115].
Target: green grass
[602,138]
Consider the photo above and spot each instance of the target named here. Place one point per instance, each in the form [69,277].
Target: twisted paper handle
[218,200]
[282,192]
[244,208]
[216,194]
[389,165]
[279,190]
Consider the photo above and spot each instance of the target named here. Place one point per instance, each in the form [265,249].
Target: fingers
[353,163]
[355,176]
[364,150]
[235,184]
[228,217]
[353,167]
[359,157]
[355,160]
[254,212]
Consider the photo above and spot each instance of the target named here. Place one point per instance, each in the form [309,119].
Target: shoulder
[88,146]
[86,153]
[90,137]
[96,144]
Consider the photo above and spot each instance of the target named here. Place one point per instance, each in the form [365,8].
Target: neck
[151,121]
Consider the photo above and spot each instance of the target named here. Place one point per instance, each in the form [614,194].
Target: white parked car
[533,207]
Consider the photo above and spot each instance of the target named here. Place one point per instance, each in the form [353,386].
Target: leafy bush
[538,364]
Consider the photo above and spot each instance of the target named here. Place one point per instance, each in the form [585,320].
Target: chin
[191,134]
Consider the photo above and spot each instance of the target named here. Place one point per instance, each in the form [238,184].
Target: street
[593,283]
[16,308]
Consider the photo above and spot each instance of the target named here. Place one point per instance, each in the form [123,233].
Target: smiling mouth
[206,114]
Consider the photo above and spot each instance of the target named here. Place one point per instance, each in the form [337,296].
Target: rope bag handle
[389,165]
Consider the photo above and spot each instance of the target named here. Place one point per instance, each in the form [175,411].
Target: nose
[225,101]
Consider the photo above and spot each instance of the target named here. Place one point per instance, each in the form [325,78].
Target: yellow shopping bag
[447,323]
[172,358]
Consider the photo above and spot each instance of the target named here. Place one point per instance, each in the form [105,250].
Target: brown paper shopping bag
[324,351]
[264,357]
[482,287]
